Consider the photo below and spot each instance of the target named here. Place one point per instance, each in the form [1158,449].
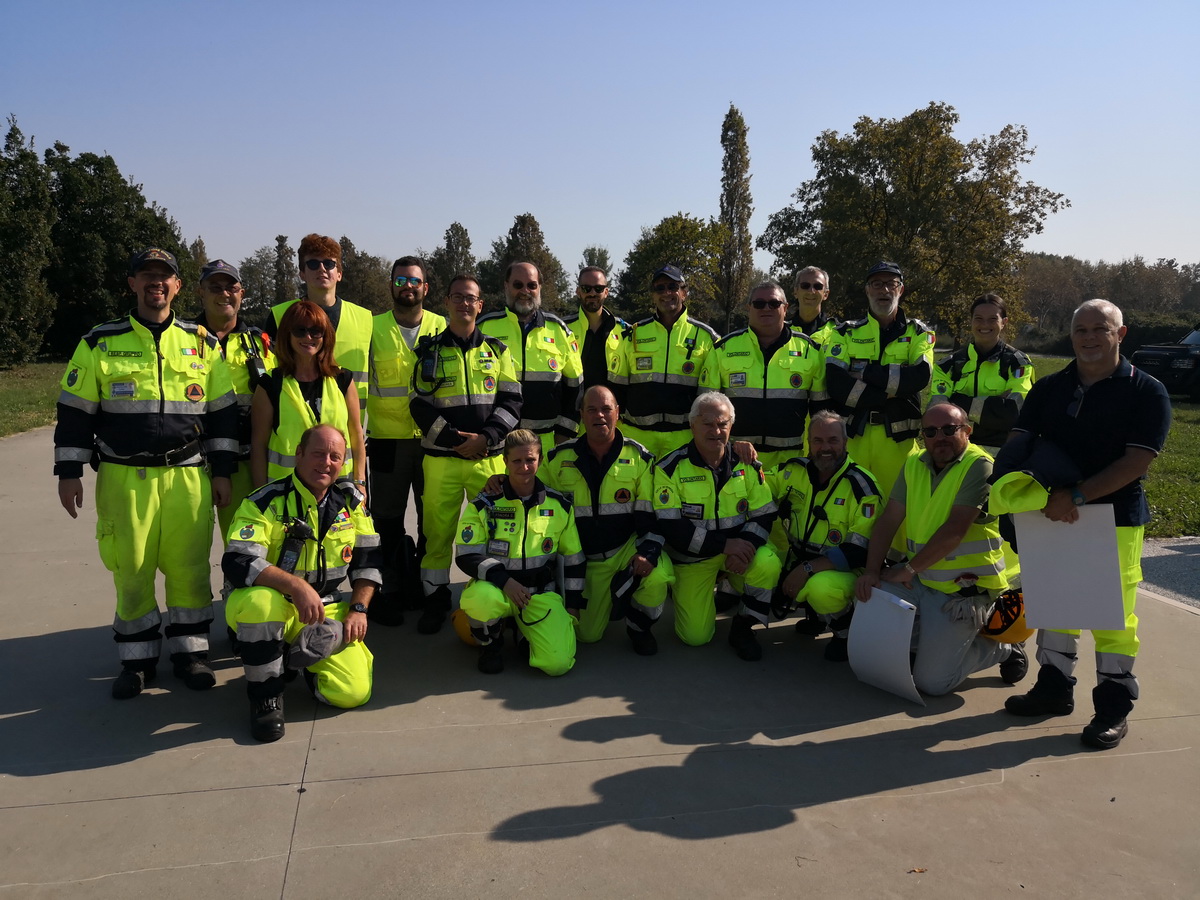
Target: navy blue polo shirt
[1094,425]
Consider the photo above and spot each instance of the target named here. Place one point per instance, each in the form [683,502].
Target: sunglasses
[317,334]
[811,286]
[947,430]
[767,304]
[315,264]
[400,281]
[672,288]
[597,288]
[524,285]
[884,285]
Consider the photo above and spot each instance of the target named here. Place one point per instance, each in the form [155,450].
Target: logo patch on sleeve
[347,553]
[468,534]
[688,367]
[548,545]
[489,383]
[553,364]
[835,536]
[664,496]
[246,533]
[743,506]
[72,377]
[868,510]
[194,392]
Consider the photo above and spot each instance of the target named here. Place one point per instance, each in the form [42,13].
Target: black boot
[742,639]
[1113,703]
[1051,695]
[266,718]
[838,648]
[1016,666]
[491,656]
[132,679]
[644,643]
[193,670]
[437,607]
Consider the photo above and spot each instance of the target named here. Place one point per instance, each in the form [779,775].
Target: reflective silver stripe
[66,398]
[366,540]
[780,443]
[893,382]
[507,418]
[229,398]
[1020,400]
[272,669]
[72,454]
[618,379]
[139,649]
[574,584]
[658,419]
[766,394]
[137,407]
[484,567]
[660,378]
[542,376]
[976,408]
[184,615]
[751,528]
[669,513]
[285,460]
[332,575]
[187,643]
[857,540]
[836,361]
[366,574]
[971,547]
[643,505]
[575,559]
[133,626]
[511,387]
[568,424]
[256,568]
[818,395]
[944,575]
[906,425]
[260,631]
[375,391]
[461,400]
[217,445]
[698,534]
[607,554]
[438,427]
[539,425]
[435,576]
[728,521]
[855,393]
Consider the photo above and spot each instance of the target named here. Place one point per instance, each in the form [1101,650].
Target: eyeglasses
[767,304]
[597,288]
[811,286]
[884,285]
[213,287]
[947,430]
[315,264]
[457,297]
[317,334]
[400,281]
[673,287]
[524,285]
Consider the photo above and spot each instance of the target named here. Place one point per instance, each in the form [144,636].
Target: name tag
[693,510]
[645,362]
[497,547]
[123,389]
[737,379]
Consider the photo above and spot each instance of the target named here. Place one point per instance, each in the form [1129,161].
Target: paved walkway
[690,774]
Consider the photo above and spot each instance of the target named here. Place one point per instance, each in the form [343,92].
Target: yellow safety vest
[296,417]
[392,362]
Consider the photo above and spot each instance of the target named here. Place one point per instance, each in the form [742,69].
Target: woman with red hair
[307,388]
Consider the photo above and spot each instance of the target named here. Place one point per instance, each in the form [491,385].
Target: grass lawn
[28,394]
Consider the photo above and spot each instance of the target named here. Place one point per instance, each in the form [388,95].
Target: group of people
[605,466]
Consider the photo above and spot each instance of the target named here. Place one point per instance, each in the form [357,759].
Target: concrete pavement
[689,774]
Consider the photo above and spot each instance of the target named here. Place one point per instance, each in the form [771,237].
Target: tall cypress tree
[736,264]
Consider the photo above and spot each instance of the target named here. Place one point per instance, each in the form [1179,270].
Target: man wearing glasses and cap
[876,369]
[811,288]
[774,375]
[656,371]
[597,331]
[394,442]
[321,270]
[147,400]
[955,569]
[247,355]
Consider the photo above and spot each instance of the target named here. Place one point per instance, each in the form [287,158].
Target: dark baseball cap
[219,267]
[153,254]
[671,272]
[885,268]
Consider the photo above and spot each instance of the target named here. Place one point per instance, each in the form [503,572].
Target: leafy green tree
[258,283]
[683,240]
[596,255]
[736,264]
[26,216]
[524,243]
[365,278]
[102,219]
[286,281]
[451,258]
[953,215]
[199,253]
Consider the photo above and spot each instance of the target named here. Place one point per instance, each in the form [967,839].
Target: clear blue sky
[388,121]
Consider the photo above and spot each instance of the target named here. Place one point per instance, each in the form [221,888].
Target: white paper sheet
[880,637]
[1070,573]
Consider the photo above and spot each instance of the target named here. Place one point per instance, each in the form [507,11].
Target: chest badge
[194,392]
[622,496]
[347,553]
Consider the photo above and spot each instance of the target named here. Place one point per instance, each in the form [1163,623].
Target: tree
[954,216]
[596,255]
[682,240]
[736,263]
[365,278]
[524,243]
[450,259]
[258,283]
[286,281]
[101,220]
[26,216]
[199,252]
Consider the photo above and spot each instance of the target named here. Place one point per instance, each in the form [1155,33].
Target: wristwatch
[358,608]
[807,567]
[1077,497]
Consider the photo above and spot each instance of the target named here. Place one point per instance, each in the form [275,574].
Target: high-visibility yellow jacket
[991,389]
[294,416]
[834,519]
[392,362]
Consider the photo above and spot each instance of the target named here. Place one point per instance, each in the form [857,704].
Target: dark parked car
[1176,365]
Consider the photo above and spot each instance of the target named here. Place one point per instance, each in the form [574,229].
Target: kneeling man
[291,547]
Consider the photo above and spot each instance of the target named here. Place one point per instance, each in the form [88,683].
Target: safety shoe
[266,718]
[131,681]
[1113,703]
[644,643]
[491,658]
[193,670]
[1051,695]
[437,607]
[742,639]
[1016,666]
[811,626]
[837,649]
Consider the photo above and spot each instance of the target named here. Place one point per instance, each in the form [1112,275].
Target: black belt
[877,418]
[152,461]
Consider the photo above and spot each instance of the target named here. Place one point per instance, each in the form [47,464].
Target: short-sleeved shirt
[1095,425]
